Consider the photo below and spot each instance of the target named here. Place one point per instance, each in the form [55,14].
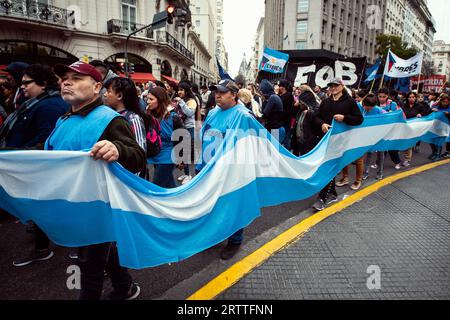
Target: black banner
[313,72]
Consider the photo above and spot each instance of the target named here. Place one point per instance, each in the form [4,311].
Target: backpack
[299,130]
[154,143]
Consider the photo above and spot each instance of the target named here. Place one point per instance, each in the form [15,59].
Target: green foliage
[395,43]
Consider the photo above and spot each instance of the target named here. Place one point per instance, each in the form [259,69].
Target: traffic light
[182,17]
[122,66]
[131,68]
[170,12]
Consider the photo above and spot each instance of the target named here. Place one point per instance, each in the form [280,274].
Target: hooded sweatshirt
[272,107]
[345,106]
[16,70]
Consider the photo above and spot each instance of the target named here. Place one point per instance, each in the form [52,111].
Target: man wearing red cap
[91,125]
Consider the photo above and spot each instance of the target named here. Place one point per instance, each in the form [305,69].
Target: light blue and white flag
[78,201]
[273,61]
[372,72]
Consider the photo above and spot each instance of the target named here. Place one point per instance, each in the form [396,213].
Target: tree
[395,43]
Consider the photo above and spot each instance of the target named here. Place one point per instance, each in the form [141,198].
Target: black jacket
[415,110]
[345,106]
[288,108]
[34,124]
[310,133]
[272,107]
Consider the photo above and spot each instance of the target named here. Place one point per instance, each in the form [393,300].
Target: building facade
[200,71]
[251,72]
[347,27]
[221,52]
[395,17]
[441,58]
[419,27]
[204,23]
[52,31]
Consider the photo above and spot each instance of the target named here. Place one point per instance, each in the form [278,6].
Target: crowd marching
[89,107]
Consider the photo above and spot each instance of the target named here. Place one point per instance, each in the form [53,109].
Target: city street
[323,257]
[223,150]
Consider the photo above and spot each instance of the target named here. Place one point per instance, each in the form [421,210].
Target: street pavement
[402,232]
[47,280]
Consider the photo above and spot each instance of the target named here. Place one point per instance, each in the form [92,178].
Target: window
[129,14]
[303,6]
[300,45]
[197,23]
[302,27]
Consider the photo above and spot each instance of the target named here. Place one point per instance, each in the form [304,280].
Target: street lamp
[159,21]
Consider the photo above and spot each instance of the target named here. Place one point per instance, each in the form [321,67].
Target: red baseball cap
[79,67]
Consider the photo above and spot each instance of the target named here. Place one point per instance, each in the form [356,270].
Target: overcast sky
[439,10]
[241,19]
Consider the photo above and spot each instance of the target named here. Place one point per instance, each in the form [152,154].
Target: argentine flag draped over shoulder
[273,61]
[78,201]
[399,68]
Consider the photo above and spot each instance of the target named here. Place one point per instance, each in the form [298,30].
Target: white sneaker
[398,166]
[181,178]
[186,180]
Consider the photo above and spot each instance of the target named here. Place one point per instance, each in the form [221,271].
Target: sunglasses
[27,82]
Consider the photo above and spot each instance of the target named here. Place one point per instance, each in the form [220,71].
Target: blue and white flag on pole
[77,201]
[273,61]
[222,73]
[399,68]
[372,72]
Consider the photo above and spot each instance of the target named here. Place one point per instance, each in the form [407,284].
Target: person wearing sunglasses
[35,119]
[29,126]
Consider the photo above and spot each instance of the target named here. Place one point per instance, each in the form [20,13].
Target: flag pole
[384,71]
[382,82]
[418,83]
[373,83]
[362,74]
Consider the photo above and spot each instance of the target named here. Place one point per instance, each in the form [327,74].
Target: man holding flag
[91,125]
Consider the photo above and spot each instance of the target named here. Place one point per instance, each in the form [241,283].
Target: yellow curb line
[243,267]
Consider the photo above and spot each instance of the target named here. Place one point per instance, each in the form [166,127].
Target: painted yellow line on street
[243,267]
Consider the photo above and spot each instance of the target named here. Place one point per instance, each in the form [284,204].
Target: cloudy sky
[241,19]
[439,10]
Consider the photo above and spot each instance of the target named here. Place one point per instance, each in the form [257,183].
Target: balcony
[125,28]
[35,11]
[163,37]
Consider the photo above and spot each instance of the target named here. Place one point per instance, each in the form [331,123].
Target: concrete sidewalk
[400,233]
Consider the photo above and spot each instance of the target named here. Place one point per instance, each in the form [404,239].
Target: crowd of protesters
[135,125]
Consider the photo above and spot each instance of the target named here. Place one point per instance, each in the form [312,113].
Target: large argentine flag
[273,61]
[398,68]
[78,201]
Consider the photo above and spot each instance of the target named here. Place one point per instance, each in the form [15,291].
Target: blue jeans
[186,167]
[237,237]
[163,176]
